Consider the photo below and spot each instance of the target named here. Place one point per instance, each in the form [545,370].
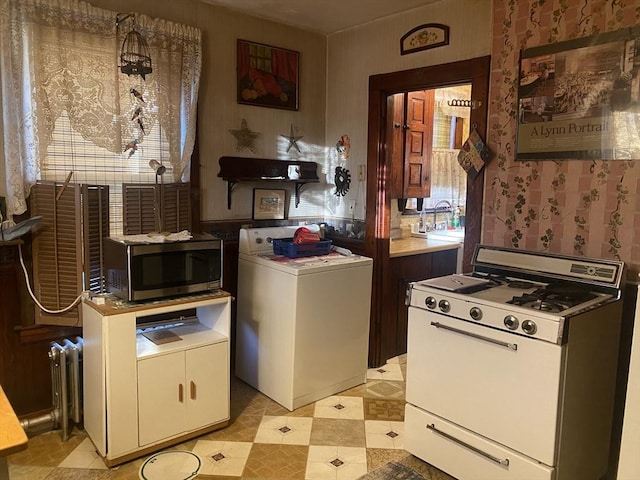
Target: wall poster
[580,99]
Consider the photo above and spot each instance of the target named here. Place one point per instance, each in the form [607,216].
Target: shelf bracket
[230,184]
[299,185]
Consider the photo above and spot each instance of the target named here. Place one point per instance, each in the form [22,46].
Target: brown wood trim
[44,333]
[475,71]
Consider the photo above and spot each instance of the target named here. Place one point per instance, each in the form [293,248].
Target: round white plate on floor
[170,465]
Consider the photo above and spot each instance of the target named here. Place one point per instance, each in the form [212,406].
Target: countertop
[111,305]
[405,246]
[12,436]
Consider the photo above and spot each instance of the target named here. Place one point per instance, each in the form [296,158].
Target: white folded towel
[159,237]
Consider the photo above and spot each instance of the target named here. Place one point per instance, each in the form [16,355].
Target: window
[91,164]
[73,122]
[67,107]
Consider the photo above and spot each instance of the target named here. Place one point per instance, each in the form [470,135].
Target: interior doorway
[379,176]
[428,129]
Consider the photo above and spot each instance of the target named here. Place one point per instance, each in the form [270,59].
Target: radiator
[66,381]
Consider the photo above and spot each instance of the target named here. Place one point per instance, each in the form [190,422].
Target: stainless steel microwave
[138,271]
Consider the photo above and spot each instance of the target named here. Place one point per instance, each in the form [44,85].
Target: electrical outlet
[361,172]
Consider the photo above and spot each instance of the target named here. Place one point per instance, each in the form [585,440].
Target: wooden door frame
[474,71]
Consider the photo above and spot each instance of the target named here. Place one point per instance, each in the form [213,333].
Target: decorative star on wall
[244,137]
[293,140]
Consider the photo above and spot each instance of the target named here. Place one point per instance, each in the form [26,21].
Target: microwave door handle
[512,346]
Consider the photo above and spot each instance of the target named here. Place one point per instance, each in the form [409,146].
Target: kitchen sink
[443,235]
[447,235]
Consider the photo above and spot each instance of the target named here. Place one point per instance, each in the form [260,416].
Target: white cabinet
[183,390]
[141,395]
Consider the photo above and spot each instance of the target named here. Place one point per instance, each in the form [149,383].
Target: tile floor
[337,438]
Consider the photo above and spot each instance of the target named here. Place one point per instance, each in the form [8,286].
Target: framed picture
[268,204]
[423,37]
[580,99]
[267,76]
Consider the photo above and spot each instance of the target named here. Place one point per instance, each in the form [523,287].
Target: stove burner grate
[546,306]
[552,299]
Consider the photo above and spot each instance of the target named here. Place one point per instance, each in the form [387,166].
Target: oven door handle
[512,346]
[499,461]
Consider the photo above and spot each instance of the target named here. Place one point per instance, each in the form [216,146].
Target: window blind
[70,152]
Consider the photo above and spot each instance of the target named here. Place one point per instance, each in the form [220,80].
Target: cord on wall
[33,297]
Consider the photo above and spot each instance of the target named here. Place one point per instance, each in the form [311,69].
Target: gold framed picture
[268,204]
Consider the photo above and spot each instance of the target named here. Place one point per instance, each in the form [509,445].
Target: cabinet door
[207,385]
[418,144]
[402,271]
[162,397]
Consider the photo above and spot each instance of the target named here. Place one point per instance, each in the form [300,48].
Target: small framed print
[423,37]
[268,204]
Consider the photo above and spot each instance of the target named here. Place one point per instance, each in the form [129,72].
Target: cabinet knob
[192,390]
[180,393]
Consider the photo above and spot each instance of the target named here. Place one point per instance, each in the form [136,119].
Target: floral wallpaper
[574,207]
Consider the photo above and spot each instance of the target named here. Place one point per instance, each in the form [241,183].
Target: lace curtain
[61,56]
[448,178]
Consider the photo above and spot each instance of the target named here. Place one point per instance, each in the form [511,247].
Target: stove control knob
[475,313]
[444,305]
[529,327]
[430,302]
[511,322]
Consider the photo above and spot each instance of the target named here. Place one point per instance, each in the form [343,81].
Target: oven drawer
[463,454]
[502,386]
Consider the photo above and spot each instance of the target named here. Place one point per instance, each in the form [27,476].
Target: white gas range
[511,369]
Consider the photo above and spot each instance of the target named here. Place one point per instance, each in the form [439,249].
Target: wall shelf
[242,169]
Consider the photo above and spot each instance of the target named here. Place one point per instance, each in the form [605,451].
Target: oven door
[497,384]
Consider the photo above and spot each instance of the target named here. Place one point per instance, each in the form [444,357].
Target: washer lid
[308,265]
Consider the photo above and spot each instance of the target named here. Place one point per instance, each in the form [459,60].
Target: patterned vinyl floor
[341,437]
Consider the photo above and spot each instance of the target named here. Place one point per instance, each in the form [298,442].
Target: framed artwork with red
[267,76]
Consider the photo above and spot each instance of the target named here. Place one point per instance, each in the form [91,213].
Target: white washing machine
[302,323]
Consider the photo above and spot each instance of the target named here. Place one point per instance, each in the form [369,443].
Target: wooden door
[418,143]
[394,141]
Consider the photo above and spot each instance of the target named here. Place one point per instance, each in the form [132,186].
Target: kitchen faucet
[435,210]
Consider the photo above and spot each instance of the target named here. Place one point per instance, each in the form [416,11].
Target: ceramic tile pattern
[341,437]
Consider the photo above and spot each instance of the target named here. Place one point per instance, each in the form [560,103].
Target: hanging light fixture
[135,58]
